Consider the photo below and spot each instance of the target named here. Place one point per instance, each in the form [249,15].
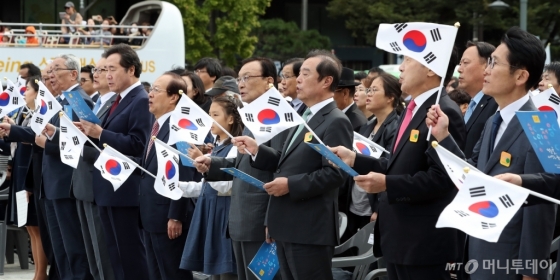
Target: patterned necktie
[496,122]
[155,130]
[97,106]
[405,123]
[470,110]
[300,127]
[114,106]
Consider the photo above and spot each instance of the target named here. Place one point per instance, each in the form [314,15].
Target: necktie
[470,110]
[155,130]
[406,122]
[291,104]
[97,106]
[496,122]
[300,127]
[114,106]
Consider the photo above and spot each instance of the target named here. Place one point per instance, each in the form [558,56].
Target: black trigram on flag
[289,117]
[164,153]
[68,157]
[163,180]
[506,201]
[477,191]
[64,129]
[76,140]
[554,99]
[62,145]
[0,111]
[49,104]
[395,47]
[39,120]
[10,89]
[171,186]
[15,100]
[430,57]
[185,110]
[249,117]
[41,92]
[126,166]
[194,136]
[266,129]
[273,101]
[199,122]
[174,127]
[435,34]
[176,159]
[461,213]
[487,225]
[400,26]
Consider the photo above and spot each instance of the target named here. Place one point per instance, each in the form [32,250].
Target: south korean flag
[11,99]
[188,123]
[548,100]
[46,107]
[428,43]
[269,115]
[367,147]
[167,178]
[71,142]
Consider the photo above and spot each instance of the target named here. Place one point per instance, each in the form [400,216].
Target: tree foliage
[280,40]
[220,28]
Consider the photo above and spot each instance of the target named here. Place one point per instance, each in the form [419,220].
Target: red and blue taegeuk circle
[268,116]
[543,108]
[415,41]
[43,109]
[22,90]
[187,124]
[4,99]
[170,170]
[363,148]
[487,209]
[113,167]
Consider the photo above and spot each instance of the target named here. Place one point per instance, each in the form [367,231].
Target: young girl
[207,249]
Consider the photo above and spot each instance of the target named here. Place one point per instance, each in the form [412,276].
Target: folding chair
[365,255]
[343,223]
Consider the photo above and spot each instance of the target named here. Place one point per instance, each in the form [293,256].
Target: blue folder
[323,150]
[543,133]
[265,263]
[183,147]
[244,176]
[80,107]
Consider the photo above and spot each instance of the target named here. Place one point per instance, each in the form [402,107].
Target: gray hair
[71,62]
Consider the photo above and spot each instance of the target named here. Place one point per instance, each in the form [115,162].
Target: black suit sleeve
[21,134]
[366,164]
[267,159]
[52,146]
[214,174]
[543,183]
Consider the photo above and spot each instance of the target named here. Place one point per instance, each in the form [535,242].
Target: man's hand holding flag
[116,167]
[71,141]
[46,107]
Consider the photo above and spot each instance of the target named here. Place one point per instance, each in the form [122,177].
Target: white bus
[163,49]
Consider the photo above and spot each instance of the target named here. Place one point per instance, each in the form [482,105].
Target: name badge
[414,135]
[505,159]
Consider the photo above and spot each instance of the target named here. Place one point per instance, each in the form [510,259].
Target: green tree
[280,40]
[220,28]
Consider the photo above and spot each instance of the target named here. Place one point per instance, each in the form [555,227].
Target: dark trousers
[124,240]
[94,240]
[164,256]
[244,252]
[417,272]
[66,237]
[45,237]
[302,262]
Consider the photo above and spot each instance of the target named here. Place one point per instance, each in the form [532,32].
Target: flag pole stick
[313,132]
[229,135]
[61,114]
[133,163]
[170,148]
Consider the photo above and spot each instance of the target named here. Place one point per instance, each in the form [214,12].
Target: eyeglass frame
[198,71]
[100,70]
[283,77]
[83,80]
[158,90]
[245,78]
[492,62]
[368,90]
[58,69]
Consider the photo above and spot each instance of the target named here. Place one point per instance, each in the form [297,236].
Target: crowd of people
[84,229]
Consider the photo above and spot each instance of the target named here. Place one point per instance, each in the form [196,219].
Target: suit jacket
[82,186]
[311,205]
[484,110]
[248,206]
[155,209]
[356,117]
[57,176]
[126,130]
[95,97]
[302,109]
[418,190]
[529,233]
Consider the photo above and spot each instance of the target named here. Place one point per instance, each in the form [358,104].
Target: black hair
[454,82]
[296,64]
[459,96]
[392,88]
[553,67]
[212,65]
[525,52]
[268,69]
[329,66]
[360,76]
[226,71]
[88,69]
[31,82]
[129,57]
[32,69]
[198,86]
[484,49]
[376,69]
[178,70]
[176,84]
[230,105]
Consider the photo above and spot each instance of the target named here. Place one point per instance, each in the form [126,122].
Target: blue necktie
[496,122]
[470,110]
[97,105]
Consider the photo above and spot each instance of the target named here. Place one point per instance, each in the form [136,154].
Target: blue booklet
[68,111]
[543,132]
[265,263]
[183,147]
[79,106]
[323,150]
[244,176]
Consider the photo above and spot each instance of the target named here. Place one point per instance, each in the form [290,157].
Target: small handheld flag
[71,142]
[548,100]
[454,165]
[116,167]
[46,107]
[167,177]
[189,123]
[367,147]
[11,98]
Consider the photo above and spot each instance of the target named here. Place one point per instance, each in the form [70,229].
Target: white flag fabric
[71,142]
[46,107]
[454,166]
[21,85]
[367,147]
[188,123]
[428,43]
[11,98]
[269,115]
[548,100]
[167,178]
[483,207]
[114,166]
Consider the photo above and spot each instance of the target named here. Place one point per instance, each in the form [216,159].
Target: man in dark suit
[165,221]
[126,128]
[302,214]
[289,74]
[514,68]
[248,203]
[471,79]
[61,212]
[344,98]
[417,188]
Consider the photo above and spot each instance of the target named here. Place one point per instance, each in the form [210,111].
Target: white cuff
[190,189]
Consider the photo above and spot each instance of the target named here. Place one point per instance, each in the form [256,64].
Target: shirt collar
[105,97]
[161,120]
[62,97]
[420,99]
[296,102]
[125,92]
[317,107]
[478,97]
[508,112]
[346,109]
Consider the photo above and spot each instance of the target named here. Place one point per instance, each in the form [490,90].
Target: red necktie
[115,104]
[405,122]
[155,130]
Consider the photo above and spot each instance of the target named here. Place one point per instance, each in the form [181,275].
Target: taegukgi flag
[483,207]
[46,107]
[428,43]
[367,147]
[454,166]
[21,85]
[188,123]
[11,98]
[548,100]
[114,166]
[167,178]
[71,142]
[269,115]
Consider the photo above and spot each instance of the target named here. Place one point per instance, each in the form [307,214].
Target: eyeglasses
[492,62]
[98,70]
[285,77]
[200,71]
[45,79]
[370,90]
[58,69]
[157,90]
[245,78]
[82,80]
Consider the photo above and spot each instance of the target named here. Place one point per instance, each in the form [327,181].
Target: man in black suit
[471,80]
[344,98]
[289,74]
[61,212]
[417,188]
[126,128]
[165,221]
[302,214]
